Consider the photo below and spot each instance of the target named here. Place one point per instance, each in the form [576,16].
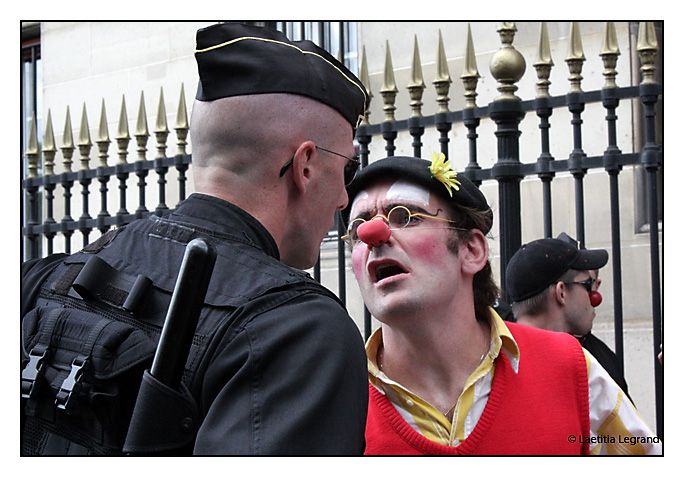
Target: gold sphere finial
[507,65]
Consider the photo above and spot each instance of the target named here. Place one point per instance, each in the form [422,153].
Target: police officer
[277,365]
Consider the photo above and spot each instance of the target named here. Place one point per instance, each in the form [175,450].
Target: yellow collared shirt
[615,425]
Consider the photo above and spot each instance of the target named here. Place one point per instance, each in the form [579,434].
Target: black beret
[540,263]
[420,171]
[234,59]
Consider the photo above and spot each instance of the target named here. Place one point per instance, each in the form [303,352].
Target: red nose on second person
[374,232]
[595,298]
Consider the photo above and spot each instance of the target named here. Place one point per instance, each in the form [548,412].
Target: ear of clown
[475,250]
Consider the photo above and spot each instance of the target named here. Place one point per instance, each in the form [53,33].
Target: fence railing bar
[612,167]
[146,165]
[471,123]
[651,158]
[341,260]
[558,166]
[560,101]
[67,221]
[103,178]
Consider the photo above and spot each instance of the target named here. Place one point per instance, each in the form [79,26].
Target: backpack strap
[72,381]
[39,354]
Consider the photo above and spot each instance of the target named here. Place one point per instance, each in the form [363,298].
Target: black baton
[183,313]
[165,417]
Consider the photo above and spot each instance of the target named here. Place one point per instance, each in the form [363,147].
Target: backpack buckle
[33,371]
[64,400]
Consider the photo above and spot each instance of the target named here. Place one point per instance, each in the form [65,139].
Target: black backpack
[86,359]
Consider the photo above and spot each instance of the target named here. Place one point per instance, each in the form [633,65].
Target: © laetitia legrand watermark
[610,439]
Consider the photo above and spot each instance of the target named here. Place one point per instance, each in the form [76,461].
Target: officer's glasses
[350,168]
[399,217]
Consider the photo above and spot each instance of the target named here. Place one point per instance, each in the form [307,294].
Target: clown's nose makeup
[374,232]
[595,298]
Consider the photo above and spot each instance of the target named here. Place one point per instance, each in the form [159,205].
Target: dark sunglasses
[588,284]
[350,168]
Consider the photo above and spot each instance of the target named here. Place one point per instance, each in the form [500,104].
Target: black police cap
[234,59]
[433,175]
[542,262]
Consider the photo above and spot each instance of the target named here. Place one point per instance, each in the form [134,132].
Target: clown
[446,374]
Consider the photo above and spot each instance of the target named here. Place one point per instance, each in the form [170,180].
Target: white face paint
[403,190]
[360,197]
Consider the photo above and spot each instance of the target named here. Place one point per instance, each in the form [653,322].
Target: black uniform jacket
[284,368]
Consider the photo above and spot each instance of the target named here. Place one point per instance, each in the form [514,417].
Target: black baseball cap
[542,262]
[234,59]
[567,239]
[418,171]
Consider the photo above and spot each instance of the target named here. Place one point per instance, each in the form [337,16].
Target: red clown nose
[374,232]
[595,298]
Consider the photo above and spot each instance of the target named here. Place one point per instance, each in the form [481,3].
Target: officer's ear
[301,165]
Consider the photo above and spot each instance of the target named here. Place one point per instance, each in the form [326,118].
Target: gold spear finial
[162,125]
[443,80]
[647,47]
[84,143]
[389,87]
[123,136]
[365,79]
[141,131]
[470,74]
[103,136]
[544,63]
[609,55]
[575,58]
[49,148]
[182,122]
[141,124]
[161,132]
[416,86]
[32,149]
[122,130]
[67,143]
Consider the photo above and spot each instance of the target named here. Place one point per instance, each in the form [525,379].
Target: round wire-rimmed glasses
[399,217]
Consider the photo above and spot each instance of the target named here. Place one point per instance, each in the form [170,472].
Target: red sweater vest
[541,410]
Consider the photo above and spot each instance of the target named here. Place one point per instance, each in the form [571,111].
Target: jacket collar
[220,217]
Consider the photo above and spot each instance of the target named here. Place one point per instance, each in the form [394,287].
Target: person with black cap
[589,341]
[277,365]
[446,374]
[552,284]
[551,268]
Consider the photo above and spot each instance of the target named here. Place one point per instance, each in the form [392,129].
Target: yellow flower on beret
[442,171]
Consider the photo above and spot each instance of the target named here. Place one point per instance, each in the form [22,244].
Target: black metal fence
[506,111]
